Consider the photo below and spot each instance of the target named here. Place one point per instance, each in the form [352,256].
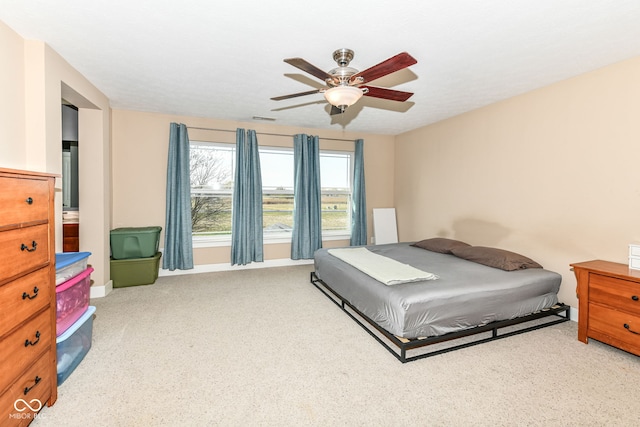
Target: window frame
[277,237]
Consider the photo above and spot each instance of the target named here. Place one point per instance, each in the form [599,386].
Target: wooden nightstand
[70,237]
[609,304]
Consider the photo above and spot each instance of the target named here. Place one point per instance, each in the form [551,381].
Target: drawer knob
[628,328]
[35,293]
[35,383]
[26,248]
[29,200]
[28,342]
[635,298]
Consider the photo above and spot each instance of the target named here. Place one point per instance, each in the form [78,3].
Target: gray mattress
[466,295]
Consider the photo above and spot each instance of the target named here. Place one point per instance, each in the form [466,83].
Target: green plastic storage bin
[134,242]
[134,272]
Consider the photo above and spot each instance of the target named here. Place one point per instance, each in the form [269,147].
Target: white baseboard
[101,291]
[210,268]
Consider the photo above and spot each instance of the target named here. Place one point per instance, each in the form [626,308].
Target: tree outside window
[211,189]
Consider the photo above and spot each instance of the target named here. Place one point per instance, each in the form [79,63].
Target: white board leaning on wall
[385,229]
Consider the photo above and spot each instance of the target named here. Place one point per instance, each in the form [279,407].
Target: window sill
[222,241]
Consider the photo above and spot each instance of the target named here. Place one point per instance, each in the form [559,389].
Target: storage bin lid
[65,259]
[136,230]
[74,280]
[66,334]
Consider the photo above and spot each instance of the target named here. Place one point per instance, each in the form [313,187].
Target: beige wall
[552,174]
[140,144]
[12,102]
[34,79]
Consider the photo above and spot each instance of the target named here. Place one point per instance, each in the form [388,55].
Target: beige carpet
[266,348]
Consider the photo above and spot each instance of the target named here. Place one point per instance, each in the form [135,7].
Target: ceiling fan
[346,85]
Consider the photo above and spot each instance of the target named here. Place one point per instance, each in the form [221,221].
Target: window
[211,188]
[212,173]
[336,172]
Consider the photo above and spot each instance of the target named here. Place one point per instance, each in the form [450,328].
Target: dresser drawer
[33,387]
[23,249]
[23,200]
[23,346]
[611,323]
[622,294]
[22,298]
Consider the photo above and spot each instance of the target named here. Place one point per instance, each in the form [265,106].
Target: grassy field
[278,211]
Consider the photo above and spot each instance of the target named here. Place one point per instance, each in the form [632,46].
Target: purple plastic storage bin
[72,300]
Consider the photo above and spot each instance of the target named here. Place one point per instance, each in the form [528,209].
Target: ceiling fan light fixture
[343,95]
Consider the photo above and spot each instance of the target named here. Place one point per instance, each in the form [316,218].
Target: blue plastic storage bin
[74,344]
[69,265]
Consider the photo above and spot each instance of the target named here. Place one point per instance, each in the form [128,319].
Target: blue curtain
[307,225]
[178,244]
[246,226]
[358,199]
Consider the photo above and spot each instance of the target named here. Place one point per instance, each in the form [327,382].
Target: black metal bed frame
[404,345]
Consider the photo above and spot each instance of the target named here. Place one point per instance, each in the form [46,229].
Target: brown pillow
[498,258]
[440,244]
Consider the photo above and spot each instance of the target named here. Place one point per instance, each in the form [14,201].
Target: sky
[277,168]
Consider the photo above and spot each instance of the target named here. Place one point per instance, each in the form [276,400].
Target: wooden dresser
[609,304]
[28,378]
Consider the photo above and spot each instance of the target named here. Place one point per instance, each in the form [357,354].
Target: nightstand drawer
[621,294]
[23,200]
[23,249]
[23,298]
[618,325]
[22,347]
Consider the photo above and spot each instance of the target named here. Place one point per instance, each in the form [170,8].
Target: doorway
[70,197]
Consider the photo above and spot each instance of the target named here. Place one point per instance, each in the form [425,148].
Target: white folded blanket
[385,270]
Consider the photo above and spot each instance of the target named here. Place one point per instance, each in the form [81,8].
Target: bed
[465,298]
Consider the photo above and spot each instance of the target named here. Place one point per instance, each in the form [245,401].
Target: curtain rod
[267,133]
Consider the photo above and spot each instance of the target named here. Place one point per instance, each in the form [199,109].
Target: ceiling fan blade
[384,93]
[295,95]
[309,68]
[391,65]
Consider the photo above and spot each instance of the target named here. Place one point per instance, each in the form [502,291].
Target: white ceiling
[223,59]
